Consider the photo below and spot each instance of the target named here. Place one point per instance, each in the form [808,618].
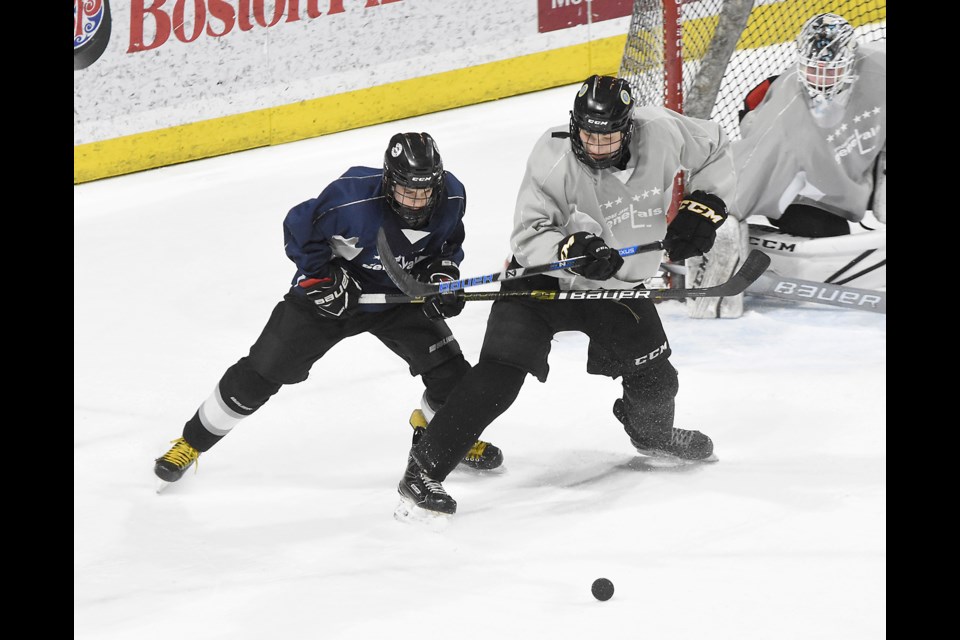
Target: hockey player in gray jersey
[812,161]
[601,182]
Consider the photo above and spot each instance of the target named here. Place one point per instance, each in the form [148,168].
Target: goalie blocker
[855,260]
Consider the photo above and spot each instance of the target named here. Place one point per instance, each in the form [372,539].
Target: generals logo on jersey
[863,138]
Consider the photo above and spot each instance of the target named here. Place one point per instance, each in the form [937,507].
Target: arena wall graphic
[91,31]
[179,80]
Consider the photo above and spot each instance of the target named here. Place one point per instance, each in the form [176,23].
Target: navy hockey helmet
[826,52]
[412,177]
[603,106]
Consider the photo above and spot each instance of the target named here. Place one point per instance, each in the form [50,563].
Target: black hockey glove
[602,261]
[694,229]
[444,305]
[335,295]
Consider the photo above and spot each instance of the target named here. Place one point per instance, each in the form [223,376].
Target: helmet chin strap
[414,218]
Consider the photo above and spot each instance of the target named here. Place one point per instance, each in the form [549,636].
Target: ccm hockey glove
[694,229]
[602,261]
[444,305]
[336,295]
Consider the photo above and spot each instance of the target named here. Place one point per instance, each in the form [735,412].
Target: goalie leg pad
[854,260]
[716,266]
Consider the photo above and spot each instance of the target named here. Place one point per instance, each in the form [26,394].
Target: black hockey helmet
[412,162]
[604,104]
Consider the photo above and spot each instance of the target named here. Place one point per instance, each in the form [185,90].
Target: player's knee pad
[243,390]
[501,381]
[440,381]
[493,387]
[657,382]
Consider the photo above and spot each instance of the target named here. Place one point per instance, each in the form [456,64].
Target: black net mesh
[765,47]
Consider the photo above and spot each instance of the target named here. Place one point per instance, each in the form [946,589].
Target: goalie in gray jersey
[602,182]
[812,161]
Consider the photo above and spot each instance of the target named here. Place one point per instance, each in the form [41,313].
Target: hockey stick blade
[752,268]
[404,281]
[410,286]
[772,285]
[796,290]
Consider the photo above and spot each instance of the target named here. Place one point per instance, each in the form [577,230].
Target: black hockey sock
[484,393]
[648,399]
[197,435]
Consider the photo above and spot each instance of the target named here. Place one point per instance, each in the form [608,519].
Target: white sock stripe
[428,411]
[216,417]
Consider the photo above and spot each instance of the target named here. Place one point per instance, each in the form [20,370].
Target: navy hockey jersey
[342,222]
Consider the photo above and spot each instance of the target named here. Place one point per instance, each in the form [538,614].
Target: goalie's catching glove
[694,229]
[602,261]
[443,305]
[335,295]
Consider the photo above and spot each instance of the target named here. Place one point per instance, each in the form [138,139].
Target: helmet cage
[412,160]
[826,51]
[603,105]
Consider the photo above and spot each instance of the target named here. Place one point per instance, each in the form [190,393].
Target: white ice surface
[285,530]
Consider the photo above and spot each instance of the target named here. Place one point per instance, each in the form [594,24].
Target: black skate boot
[171,465]
[421,495]
[684,445]
[482,456]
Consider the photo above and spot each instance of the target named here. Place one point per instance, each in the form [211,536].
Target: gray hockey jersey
[792,152]
[559,195]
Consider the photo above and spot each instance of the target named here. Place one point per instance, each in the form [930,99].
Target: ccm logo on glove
[694,229]
[703,210]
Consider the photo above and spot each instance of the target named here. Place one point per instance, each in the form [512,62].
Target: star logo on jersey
[862,141]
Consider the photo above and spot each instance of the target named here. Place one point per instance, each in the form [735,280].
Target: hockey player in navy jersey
[332,241]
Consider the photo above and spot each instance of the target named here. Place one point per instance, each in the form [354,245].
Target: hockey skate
[675,445]
[422,499]
[482,456]
[171,466]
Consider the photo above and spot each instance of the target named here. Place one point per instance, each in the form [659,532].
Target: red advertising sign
[553,15]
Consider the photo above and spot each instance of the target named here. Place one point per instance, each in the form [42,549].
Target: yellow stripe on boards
[351,110]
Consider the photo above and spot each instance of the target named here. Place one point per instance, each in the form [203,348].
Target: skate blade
[660,459]
[409,513]
[162,485]
[473,471]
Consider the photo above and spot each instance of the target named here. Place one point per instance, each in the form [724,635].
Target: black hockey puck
[602,589]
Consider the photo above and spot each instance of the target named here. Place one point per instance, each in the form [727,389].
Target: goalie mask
[412,177]
[826,48]
[601,122]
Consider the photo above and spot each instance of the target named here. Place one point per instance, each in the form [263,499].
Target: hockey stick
[414,288]
[771,285]
[751,269]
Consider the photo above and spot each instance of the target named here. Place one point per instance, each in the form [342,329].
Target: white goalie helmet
[826,47]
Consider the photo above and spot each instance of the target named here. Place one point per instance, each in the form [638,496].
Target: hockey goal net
[701,57]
